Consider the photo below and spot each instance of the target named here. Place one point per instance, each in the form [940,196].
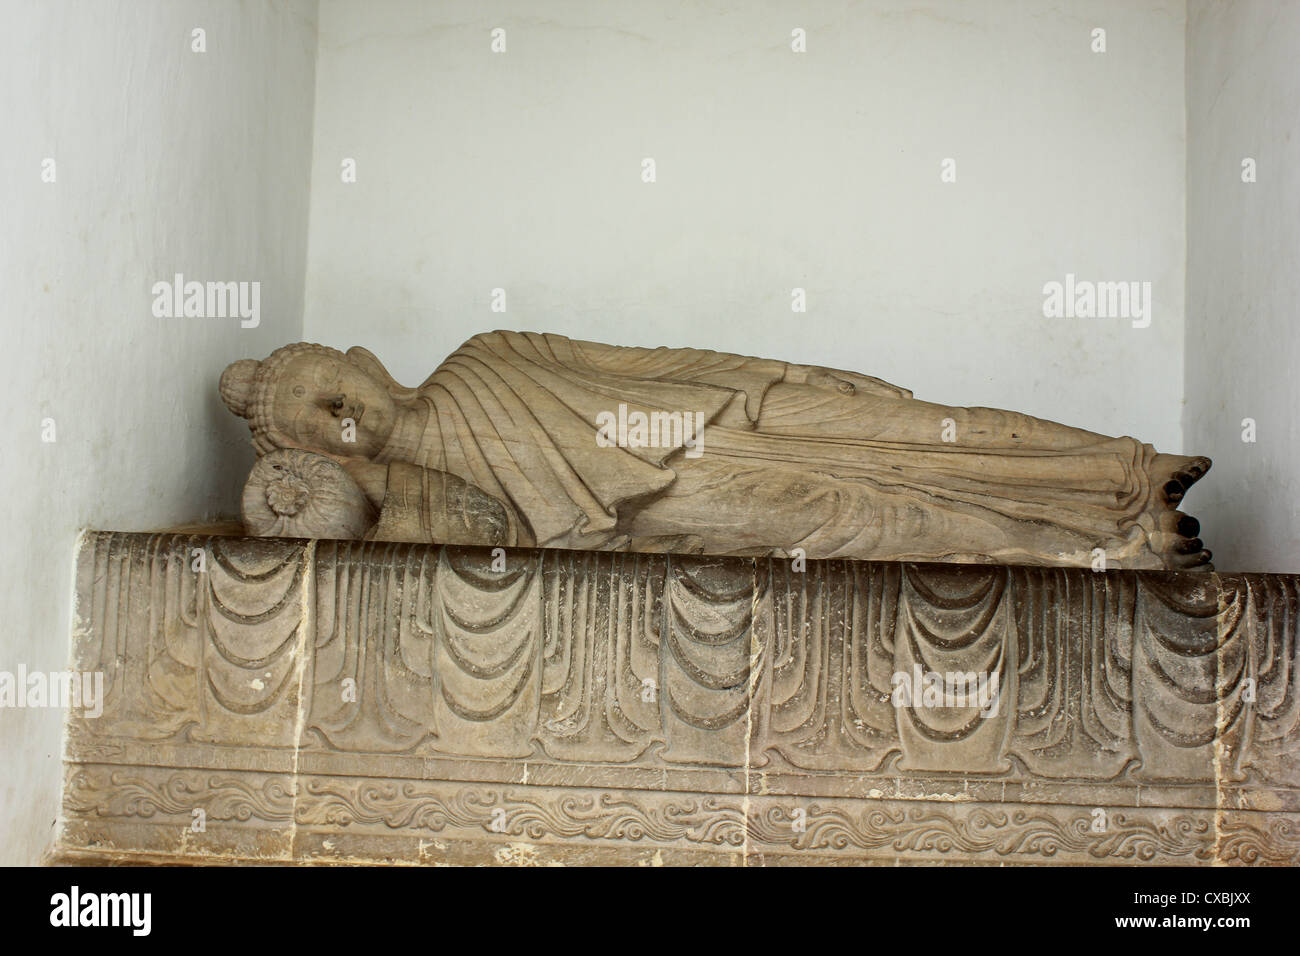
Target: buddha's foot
[1174,535]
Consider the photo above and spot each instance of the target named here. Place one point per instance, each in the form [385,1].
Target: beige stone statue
[521,438]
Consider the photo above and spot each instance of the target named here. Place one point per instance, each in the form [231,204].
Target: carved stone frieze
[322,701]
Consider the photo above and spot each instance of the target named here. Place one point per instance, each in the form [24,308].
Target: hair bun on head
[237,385]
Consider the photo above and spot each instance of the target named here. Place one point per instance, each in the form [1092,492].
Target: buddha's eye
[299,391]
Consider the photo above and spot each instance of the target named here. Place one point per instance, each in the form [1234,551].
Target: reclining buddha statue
[530,439]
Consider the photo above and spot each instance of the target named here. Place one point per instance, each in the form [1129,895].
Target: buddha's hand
[371,477]
[846,383]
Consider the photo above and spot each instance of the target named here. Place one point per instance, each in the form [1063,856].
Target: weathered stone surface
[325,701]
[526,439]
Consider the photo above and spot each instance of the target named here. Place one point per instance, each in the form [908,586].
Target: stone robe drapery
[516,414]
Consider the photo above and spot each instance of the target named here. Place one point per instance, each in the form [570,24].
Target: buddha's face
[317,396]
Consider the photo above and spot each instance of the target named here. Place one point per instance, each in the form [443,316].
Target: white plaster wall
[775,170]
[166,161]
[1243,280]
[521,171]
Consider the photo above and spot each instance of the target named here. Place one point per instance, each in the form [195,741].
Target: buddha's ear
[366,361]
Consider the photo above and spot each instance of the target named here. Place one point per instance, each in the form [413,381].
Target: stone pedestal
[291,701]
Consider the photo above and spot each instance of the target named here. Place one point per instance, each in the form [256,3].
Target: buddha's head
[311,397]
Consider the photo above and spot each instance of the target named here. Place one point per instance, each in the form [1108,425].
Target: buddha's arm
[421,504]
[742,372]
[847,383]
